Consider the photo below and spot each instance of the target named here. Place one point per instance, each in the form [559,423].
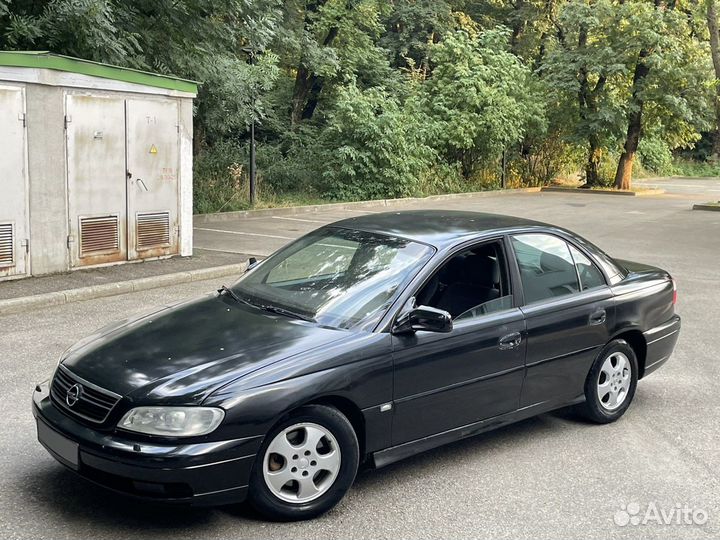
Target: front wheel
[306,464]
[610,385]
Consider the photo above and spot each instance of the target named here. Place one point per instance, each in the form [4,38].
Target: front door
[475,372]
[13,175]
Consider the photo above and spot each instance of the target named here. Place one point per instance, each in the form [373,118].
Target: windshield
[337,277]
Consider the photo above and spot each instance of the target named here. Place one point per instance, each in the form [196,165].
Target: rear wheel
[610,385]
[306,464]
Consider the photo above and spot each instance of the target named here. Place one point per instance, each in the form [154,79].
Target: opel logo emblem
[73,394]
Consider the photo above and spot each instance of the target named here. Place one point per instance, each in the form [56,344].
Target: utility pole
[253,171]
[503,180]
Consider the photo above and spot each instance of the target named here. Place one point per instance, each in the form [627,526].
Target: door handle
[598,317]
[140,181]
[510,341]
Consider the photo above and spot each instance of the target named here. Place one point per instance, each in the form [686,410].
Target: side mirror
[252,262]
[425,318]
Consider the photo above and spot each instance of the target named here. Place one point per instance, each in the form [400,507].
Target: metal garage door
[122,178]
[153,159]
[13,175]
[96,179]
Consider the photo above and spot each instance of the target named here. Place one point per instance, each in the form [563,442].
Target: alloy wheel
[613,382]
[301,463]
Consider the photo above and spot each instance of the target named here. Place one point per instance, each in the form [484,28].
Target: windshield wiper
[224,290]
[286,312]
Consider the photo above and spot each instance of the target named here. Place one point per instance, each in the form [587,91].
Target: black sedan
[365,341]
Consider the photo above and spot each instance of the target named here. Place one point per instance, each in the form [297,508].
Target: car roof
[440,228]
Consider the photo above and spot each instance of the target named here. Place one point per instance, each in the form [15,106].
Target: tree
[585,71]
[712,24]
[480,98]
[669,81]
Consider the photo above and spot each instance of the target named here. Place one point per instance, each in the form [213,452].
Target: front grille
[93,404]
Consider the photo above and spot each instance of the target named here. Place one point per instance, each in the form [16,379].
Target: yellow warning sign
[153,149]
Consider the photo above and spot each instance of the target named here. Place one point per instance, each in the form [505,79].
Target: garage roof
[58,62]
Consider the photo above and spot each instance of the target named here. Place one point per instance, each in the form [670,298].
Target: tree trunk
[592,167]
[712,23]
[623,175]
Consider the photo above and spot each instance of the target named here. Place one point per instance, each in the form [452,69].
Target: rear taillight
[674,292]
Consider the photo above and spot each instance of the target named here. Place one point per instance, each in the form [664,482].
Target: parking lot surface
[553,476]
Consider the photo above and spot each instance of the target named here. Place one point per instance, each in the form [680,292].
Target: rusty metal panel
[153,158]
[153,230]
[7,245]
[97,185]
[99,235]
[13,175]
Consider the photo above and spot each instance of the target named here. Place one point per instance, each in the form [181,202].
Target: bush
[217,177]
[655,155]
[372,148]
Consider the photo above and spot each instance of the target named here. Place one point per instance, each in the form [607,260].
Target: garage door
[13,174]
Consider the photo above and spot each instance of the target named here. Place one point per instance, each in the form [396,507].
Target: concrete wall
[185,177]
[46,167]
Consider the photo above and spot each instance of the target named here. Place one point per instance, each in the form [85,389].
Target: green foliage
[372,147]
[655,156]
[480,99]
[368,98]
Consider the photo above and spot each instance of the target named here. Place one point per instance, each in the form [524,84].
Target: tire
[305,465]
[609,389]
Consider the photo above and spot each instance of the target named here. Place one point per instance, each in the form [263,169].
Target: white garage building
[95,164]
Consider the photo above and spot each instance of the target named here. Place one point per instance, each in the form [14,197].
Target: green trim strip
[48,60]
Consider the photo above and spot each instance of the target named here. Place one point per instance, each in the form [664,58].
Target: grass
[695,169]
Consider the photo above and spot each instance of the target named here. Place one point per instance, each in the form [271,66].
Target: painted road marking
[242,233]
[299,219]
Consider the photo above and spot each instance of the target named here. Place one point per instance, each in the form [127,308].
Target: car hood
[182,353]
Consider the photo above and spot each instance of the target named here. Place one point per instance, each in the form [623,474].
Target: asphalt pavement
[553,476]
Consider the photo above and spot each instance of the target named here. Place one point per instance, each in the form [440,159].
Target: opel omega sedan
[363,342]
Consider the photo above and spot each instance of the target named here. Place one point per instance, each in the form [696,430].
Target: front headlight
[172,421]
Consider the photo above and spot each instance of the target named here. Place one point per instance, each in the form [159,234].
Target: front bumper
[204,474]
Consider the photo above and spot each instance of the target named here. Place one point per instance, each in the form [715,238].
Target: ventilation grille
[99,235]
[7,242]
[153,230]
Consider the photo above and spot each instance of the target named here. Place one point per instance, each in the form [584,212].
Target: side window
[590,275]
[547,269]
[470,284]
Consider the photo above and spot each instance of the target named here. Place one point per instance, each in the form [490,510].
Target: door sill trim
[404,450]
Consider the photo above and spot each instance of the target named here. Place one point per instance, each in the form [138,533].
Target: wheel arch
[637,342]
[348,408]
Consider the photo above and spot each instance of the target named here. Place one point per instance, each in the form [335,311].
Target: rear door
[568,310]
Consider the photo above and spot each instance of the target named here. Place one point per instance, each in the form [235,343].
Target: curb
[603,191]
[36,301]
[293,210]
[707,206]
